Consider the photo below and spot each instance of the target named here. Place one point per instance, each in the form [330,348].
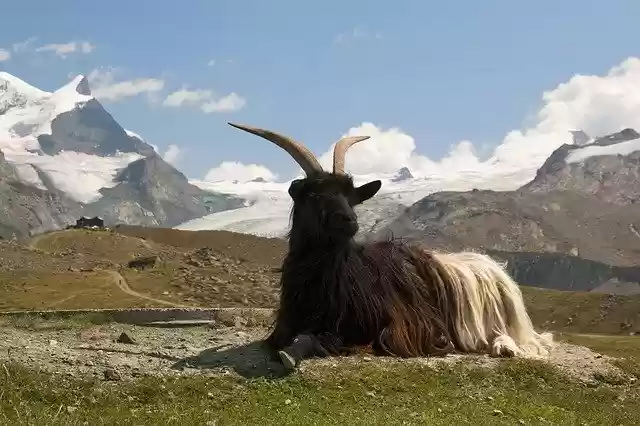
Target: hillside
[89,269]
[153,370]
[63,155]
[581,204]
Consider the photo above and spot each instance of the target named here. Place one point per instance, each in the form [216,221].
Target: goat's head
[323,202]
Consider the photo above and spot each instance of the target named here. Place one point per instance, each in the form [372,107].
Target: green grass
[517,392]
[582,312]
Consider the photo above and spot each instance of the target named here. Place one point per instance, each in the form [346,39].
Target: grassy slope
[64,290]
[578,312]
[233,282]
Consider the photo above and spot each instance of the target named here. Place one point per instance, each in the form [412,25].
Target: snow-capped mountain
[607,167]
[268,205]
[63,153]
[581,191]
[583,201]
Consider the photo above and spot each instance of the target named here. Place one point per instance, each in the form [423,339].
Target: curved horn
[299,152]
[340,150]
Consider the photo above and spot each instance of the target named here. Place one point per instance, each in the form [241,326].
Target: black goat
[390,297]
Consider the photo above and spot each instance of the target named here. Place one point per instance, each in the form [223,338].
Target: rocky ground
[115,352]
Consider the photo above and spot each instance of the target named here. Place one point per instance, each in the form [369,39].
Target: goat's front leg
[281,336]
[307,346]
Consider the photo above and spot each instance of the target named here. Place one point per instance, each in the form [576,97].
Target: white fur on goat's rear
[491,312]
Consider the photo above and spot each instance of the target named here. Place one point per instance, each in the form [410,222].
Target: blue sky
[440,72]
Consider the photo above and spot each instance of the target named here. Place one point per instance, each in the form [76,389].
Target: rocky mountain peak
[82,85]
[598,168]
[403,174]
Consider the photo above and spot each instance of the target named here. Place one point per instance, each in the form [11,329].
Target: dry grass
[110,245]
[26,290]
[235,271]
[243,247]
[579,312]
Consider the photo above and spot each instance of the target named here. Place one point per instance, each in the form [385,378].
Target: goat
[392,297]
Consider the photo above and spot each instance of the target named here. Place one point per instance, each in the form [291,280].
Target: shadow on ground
[252,360]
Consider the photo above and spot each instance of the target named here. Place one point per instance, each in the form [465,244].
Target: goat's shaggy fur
[395,297]
[392,297]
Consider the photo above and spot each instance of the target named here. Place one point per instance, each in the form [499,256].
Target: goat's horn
[299,152]
[340,150]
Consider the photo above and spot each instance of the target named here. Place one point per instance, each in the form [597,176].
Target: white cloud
[21,46]
[206,100]
[105,87]
[63,50]
[357,33]
[230,171]
[229,103]
[173,154]
[5,55]
[211,63]
[599,105]
[185,96]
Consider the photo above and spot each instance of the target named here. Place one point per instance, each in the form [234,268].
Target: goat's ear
[368,190]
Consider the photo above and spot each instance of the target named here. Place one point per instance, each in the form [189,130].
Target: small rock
[497,412]
[125,338]
[71,409]
[112,375]
[53,342]
[287,401]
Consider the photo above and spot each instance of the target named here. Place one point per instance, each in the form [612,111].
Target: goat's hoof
[287,360]
[503,351]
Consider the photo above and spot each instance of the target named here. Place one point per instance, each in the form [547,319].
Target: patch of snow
[266,211]
[21,86]
[133,135]
[620,148]
[79,175]
[28,113]
[268,204]
[27,174]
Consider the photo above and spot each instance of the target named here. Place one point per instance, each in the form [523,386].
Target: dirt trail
[116,276]
[123,285]
[33,242]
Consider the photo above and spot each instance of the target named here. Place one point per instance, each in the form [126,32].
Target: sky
[440,87]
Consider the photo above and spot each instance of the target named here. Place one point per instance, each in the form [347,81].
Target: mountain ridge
[581,205]
[65,146]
